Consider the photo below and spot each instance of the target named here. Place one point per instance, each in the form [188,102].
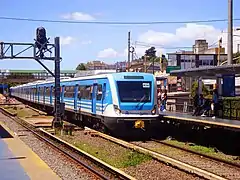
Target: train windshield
[134,91]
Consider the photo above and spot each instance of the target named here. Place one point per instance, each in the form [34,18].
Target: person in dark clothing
[215,103]
[206,108]
[195,103]
[164,100]
[200,105]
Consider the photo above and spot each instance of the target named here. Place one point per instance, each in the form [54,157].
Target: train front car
[134,98]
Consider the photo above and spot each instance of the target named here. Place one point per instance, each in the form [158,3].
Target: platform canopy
[208,71]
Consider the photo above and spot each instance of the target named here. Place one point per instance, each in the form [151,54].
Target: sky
[87,42]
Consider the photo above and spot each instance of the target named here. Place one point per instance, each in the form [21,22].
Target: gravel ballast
[147,169]
[221,169]
[59,163]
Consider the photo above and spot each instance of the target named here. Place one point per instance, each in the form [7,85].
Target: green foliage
[134,158]
[235,55]
[233,104]
[13,84]
[123,159]
[151,52]
[202,149]
[81,67]
[194,89]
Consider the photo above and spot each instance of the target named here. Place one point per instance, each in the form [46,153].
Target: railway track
[221,167]
[191,165]
[198,153]
[202,170]
[97,167]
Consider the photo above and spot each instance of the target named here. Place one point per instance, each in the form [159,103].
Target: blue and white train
[118,101]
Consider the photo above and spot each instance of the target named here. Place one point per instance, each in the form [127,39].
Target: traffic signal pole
[38,51]
[57,122]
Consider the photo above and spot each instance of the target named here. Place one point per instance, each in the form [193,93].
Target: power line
[114,22]
[143,44]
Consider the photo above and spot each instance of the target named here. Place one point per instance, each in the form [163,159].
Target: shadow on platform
[4,133]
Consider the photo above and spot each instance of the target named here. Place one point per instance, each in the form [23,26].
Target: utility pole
[230,31]
[153,58]
[219,50]
[144,63]
[132,50]
[129,41]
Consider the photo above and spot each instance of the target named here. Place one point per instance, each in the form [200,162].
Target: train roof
[99,76]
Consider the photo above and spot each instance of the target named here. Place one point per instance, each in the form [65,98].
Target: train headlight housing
[117,110]
[154,110]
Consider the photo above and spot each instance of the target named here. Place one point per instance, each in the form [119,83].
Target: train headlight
[117,110]
[154,110]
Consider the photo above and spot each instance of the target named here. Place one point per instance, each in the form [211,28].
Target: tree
[151,52]
[81,67]
[237,60]
[194,89]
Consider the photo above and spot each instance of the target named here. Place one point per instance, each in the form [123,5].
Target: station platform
[18,161]
[208,121]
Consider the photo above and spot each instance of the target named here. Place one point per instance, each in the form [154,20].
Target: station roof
[208,71]
[40,71]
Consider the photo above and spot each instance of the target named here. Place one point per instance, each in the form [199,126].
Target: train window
[81,92]
[47,91]
[53,91]
[85,92]
[35,91]
[134,91]
[99,92]
[69,91]
[41,91]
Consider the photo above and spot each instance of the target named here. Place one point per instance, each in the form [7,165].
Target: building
[25,76]
[201,55]
[214,51]
[100,65]
[121,65]
[96,65]
[200,46]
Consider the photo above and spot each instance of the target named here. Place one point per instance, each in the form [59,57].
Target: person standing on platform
[164,100]
[159,97]
[215,103]
[195,103]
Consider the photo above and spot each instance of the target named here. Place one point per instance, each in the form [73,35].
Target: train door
[30,94]
[94,95]
[62,93]
[75,96]
[44,94]
[103,95]
[38,94]
[51,95]
[35,94]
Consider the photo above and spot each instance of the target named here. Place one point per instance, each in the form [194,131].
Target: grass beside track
[205,150]
[21,111]
[117,156]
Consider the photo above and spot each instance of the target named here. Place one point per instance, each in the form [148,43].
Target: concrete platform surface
[18,161]
[40,121]
[205,120]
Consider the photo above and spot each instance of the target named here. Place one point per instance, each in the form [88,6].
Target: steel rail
[38,133]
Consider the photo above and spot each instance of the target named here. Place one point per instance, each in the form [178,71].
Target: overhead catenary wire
[114,22]
[143,44]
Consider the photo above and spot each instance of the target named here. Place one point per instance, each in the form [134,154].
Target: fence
[228,108]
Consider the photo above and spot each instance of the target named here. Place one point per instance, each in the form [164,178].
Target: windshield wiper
[143,98]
